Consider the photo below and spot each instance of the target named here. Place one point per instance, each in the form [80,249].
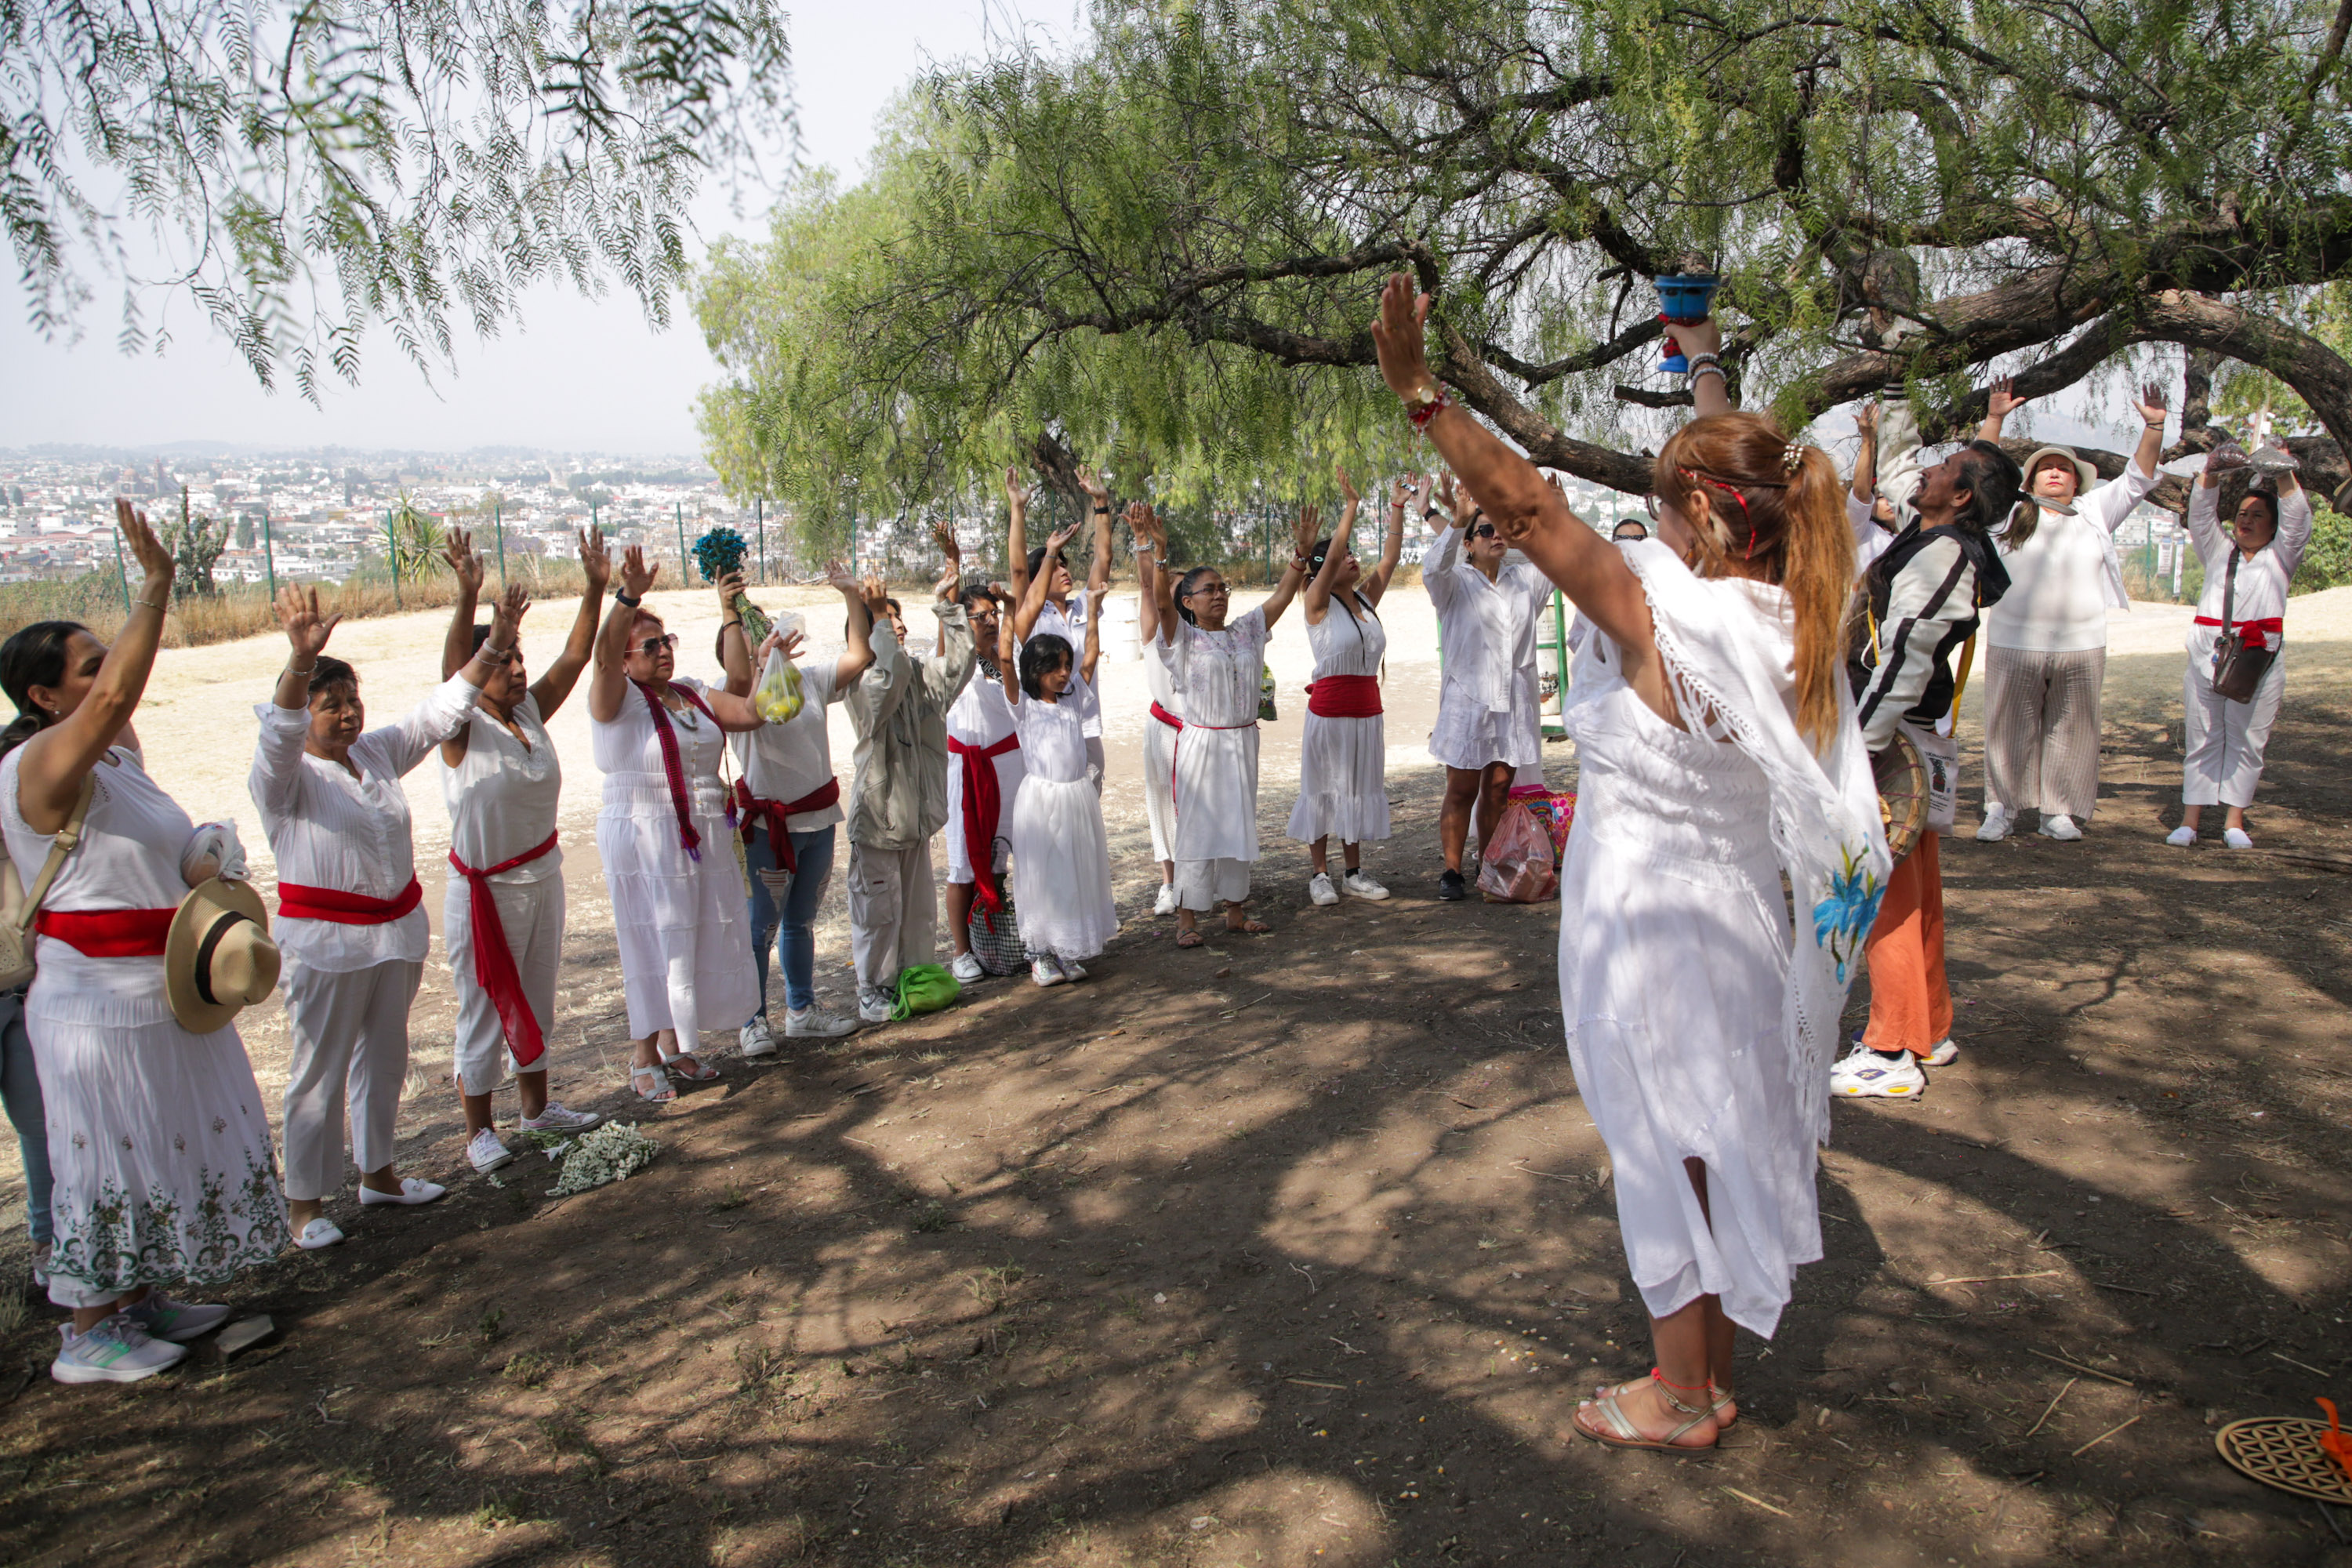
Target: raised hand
[2152,406]
[791,642]
[2001,399]
[1866,420]
[1058,538]
[877,594]
[636,577]
[729,584]
[1401,496]
[307,630]
[944,537]
[1347,488]
[595,560]
[837,578]
[464,562]
[1306,529]
[506,620]
[1093,486]
[146,549]
[1017,494]
[1423,485]
[1446,501]
[1400,335]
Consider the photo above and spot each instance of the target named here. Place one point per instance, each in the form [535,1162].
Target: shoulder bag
[2239,663]
[17,907]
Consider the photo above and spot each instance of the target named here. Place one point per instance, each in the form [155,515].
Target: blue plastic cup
[1684,297]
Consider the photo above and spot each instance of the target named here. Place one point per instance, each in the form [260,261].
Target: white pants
[893,913]
[1201,885]
[532,914]
[350,1050]
[2226,738]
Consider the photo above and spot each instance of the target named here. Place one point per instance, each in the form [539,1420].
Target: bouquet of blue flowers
[716,554]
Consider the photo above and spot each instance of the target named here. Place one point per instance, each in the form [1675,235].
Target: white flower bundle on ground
[610,1154]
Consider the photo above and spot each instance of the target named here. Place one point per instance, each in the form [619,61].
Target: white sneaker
[1943,1055]
[966,968]
[1045,970]
[319,1232]
[815,1023]
[1165,904]
[2181,837]
[1865,1073]
[2062,827]
[1320,888]
[556,1119]
[1072,969]
[873,1005]
[413,1190]
[2237,839]
[756,1038]
[488,1150]
[1356,885]
[161,1317]
[115,1350]
[1996,825]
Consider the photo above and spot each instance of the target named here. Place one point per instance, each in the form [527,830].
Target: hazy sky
[581,374]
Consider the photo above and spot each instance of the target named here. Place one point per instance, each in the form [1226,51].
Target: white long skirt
[1215,790]
[683,925]
[1159,773]
[1010,768]
[1672,993]
[1061,869]
[1342,781]
[159,1139]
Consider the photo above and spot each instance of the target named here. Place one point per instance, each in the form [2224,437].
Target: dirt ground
[1300,1248]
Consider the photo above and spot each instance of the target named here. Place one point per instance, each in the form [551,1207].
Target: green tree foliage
[1164,245]
[306,171]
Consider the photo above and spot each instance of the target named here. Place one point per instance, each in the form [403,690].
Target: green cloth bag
[923,988]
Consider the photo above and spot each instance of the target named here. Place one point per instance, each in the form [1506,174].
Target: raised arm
[1865,487]
[1523,509]
[56,758]
[734,637]
[1092,653]
[1147,570]
[1376,587]
[1162,584]
[1008,658]
[859,653]
[1098,493]
[2000,402]
[1033,592]
[1016,539]
[1315,591]
[555,684]
[610,684]
[1302,540]
[466,567]
[275,780]
[411,738]
[2294,522]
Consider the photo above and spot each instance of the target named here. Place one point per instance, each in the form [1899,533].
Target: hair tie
[1792,458]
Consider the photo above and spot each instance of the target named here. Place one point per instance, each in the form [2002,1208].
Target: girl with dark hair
[351,928]
[1343,755]
[679,911]
[1215,668]
[1716,739]
[502,914]
[1059,613]
[2247,571]
[157,1143]
[1061,858]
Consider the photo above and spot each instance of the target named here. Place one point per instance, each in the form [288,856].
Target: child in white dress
[1719,754]
[1061,857]
[1165,719]
[1343,756]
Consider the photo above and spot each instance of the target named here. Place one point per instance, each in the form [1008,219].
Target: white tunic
[1343,762]
[792,760]
[980,717]
[328,829]
[1489,705]
[1070,624]
[1160,755]
[678,919]
[2259,592]
[1216,781]
[157,1137]
[1061,857]
[502,799]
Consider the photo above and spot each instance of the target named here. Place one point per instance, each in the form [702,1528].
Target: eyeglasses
[667,642]
[1484,531]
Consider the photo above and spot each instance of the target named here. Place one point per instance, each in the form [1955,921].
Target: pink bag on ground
[1517,867]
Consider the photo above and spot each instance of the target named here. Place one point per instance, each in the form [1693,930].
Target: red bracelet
[1428,411]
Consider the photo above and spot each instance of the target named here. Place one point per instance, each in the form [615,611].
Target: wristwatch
[624,599]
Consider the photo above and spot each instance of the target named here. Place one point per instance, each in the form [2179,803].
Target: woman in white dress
[679,907]
[502,915]
[984,779]
[2247,571]
[1343,756]
[1215,668]
[1719,752]
[351,924]
[158,1144]
[1061,858]
[1489,703]
[1164,722]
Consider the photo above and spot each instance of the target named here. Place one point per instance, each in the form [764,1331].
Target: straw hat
[218,958]
[2085,475]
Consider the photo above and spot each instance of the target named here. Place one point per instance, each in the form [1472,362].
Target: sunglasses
[667,642]
[1484,531]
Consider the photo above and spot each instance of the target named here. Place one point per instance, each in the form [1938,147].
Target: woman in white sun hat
[2046,640]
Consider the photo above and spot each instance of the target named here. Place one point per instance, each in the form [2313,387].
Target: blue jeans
[794,922]
[20,1085]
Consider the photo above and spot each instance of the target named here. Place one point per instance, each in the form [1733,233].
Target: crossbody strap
[68,838]
[2229,591]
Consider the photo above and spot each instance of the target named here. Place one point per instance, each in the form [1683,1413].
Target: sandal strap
[1666,1392]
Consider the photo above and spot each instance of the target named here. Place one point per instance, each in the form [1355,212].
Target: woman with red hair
[1717,749]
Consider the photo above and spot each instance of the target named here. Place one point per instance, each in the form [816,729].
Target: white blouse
[502,797]
[2263,580]
[328,829]
[792,760]
[1486,630]
[1216,673]
[1070,626]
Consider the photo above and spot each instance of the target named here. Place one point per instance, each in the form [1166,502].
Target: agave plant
[416,539]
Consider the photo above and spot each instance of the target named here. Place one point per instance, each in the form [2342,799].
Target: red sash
[297,902]
[1344,697]
[109,933]
[1166,717]
[494,964]
[2267,629]
[983,808]
[752,811]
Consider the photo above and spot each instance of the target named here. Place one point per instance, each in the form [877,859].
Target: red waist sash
[2269,627]
[1166,717]
[1344,697]
[752,811]
[297,902]
[494,964]
[109,933]
[983,808]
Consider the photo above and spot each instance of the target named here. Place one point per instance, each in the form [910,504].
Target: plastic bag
[1517,867]
[777,696]
[1555,812]
[923,988]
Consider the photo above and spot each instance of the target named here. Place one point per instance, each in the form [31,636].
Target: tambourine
[1901,776]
